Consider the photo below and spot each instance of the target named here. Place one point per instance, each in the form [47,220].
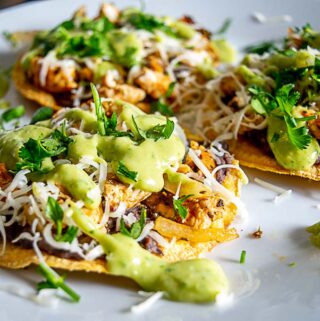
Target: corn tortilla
[251,156]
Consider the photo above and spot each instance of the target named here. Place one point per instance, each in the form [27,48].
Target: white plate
[266,287]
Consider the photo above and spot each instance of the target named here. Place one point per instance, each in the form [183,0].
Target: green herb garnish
[261,48]
[54,281]
[243,257]
[157,132]
[281,105]
[106,126]
[162,108]
[150,23]
[55,213]
[161,131]
[122,170]
[33,152]
[41,114]
[11,114]
[178,206]
[224,27]
[136,228]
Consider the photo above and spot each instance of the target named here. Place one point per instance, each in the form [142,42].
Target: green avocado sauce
[77,182]
[10,142]
[314,230]
[197,280]
[286,154]
[150,159]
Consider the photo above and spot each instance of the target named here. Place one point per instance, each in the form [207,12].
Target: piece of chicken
[153,82]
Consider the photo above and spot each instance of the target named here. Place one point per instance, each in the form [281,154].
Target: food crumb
[257,234]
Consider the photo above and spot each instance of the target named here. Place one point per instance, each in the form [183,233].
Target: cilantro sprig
[55,281]
[135,230]
[281,105]
[55,213]
[179,207]
[106,126]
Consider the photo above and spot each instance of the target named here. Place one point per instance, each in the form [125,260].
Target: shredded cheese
[146,304]
[283,193]
[211,182]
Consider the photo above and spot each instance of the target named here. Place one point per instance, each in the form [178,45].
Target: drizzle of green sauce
[197,280]
[150,159]
[286,154]
[77,182]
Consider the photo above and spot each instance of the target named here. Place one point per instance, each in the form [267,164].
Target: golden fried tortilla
[251,156]
[17,257]
[28,90]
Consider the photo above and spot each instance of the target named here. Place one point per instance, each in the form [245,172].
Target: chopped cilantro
[136,228]
[106,126]
[11,114]
[261,48]
[55,213]
[149,22]
[33,152]
[55,281]
[281,105]
[157,132]
[178,206]
[170,89]
[122,170]
[162,108]
[69,235]
[224,27]
[161,131]
[41,114]
[243,257]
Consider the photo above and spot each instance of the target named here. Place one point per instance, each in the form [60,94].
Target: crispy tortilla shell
[29,91]
[16,257]
[251,156]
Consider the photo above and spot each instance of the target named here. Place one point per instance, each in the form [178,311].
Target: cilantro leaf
[299,136]
[162,108]
[122,170]
[261,48]
[157,132]
[178,206]
[42,113]
[150,23]
[282,105]
[170,89]
[287,98]
[69,235]
[33,152]
[161,131]
[262,102]
[55,213]
[54,281]
[136,228]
